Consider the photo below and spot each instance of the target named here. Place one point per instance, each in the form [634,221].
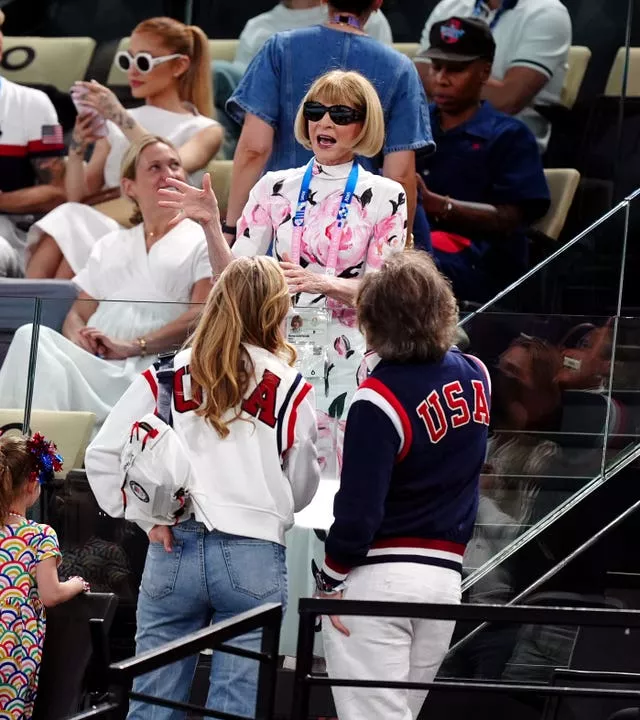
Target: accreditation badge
[308,332]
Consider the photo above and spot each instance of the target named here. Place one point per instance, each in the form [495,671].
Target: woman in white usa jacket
[247,419]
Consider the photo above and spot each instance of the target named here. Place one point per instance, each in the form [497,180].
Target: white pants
[397,649]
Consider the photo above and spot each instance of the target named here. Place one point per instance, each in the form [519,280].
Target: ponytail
[16,465]
[6,488]
[196,85]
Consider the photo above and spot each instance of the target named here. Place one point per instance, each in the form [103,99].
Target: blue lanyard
[343,211]
[479,12]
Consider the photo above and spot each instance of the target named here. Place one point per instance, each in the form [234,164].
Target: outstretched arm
[50,589]
[200,206]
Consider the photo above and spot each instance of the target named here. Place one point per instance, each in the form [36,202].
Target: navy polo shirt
[492,158]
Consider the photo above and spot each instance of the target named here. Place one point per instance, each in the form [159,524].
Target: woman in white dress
[134,301]
[168,67]
[327,223]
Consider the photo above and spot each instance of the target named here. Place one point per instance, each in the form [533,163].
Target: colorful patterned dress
[375,228]
[23,545]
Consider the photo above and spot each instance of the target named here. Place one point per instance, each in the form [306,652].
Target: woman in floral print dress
[29,558]
[327,223]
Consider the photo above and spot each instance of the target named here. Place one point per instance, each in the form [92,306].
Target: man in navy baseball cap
[485,183]
[460,40]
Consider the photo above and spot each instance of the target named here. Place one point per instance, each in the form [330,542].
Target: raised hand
[83,134]
[190,202]
[104,102]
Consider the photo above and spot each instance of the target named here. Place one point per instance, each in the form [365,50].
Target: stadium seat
[408,49]
[563,183]
[72,665]
[117,76]
[579,58]
[119,210]
[17,304]
[223,49]
[58,62]
[69,430]
[221,181]
[614,83]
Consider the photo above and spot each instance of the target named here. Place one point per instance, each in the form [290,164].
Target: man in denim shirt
[268,97]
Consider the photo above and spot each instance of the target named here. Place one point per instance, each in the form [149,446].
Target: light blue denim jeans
[208,577]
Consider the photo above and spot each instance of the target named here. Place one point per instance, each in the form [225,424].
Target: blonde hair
[340,87]
[16,465]
[129,165]
[408,310]
[194,85]
[247,304]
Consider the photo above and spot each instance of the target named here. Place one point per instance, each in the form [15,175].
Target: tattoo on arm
[119,116]
[76,146]
[49,171]
[124,120]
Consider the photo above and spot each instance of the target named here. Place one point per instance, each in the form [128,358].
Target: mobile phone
[99,124]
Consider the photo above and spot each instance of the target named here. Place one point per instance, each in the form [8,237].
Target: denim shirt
[281,73]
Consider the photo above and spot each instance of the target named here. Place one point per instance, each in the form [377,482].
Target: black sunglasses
[339,114]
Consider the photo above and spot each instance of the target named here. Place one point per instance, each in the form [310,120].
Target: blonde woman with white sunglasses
[167,65]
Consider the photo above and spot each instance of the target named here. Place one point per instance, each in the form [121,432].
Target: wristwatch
[229,229]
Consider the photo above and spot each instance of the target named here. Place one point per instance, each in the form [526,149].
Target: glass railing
[565,410]
[565,422]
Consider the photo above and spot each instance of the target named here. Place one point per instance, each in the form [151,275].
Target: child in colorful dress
[29,557]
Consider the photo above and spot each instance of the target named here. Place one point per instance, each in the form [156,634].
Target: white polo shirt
[534,34]
[260,28]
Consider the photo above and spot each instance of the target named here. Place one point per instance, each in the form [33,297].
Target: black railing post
[304,665]
[268,673]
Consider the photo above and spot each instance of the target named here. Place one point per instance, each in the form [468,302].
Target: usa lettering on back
[260,404]
[448,408]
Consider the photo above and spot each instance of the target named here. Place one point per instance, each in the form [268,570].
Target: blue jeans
[208,577]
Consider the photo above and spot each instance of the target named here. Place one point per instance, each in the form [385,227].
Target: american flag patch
[52,135]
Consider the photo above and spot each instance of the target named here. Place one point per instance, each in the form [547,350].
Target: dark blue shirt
[289,62]
[492,158]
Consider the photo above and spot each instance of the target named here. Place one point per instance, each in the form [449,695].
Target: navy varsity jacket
[414,446]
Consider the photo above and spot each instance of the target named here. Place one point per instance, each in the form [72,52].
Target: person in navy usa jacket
[415,442]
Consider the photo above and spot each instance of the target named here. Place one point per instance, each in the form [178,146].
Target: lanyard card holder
[308,332]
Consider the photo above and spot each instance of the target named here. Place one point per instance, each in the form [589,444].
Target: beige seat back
[70,431]
[408,49]
[614,83]
[221,181]
[47,60]
[120,209]
[563,183]
[117,76]
[223,49]
[578,61]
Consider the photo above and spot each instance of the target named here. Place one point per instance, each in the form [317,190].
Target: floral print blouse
[376,222]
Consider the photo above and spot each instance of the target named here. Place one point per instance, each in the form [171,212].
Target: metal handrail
[310,609]
[267,617]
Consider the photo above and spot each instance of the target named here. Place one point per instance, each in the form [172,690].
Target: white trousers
[397,649]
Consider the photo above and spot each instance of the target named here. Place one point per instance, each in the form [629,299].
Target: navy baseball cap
[460,40]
